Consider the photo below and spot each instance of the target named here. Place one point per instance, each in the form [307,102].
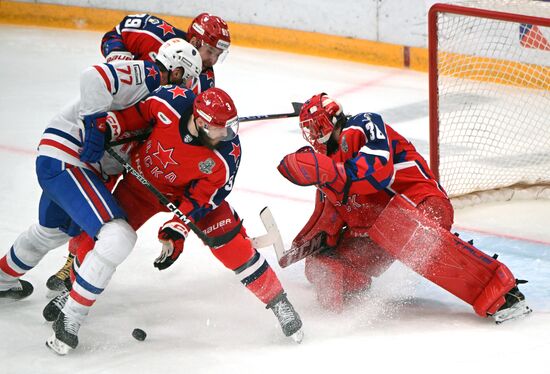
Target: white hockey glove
[172,236]
[119,56]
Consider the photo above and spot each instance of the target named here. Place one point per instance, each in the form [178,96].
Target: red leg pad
[441,257]
[364,255]
[327,275]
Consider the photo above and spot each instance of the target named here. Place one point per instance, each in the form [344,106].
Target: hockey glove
[305,167]
[95,126]
[172,236]
[99,129]
[119,56]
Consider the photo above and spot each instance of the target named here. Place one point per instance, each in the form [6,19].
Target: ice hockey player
[192,156]
[71,171]
[378,202]
[139,37]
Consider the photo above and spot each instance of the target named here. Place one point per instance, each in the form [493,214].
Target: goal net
[490,99]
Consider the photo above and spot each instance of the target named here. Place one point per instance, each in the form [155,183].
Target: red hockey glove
[172,236]
[98,129]
[305,167]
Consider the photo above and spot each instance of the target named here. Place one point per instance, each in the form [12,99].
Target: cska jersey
[377,158]
[176,162]
[103,87]
[142,35]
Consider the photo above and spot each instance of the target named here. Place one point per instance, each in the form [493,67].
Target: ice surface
[198,317]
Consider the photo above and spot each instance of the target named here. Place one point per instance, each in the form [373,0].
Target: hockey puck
[139,334]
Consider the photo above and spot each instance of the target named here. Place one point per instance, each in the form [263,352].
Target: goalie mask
[318,117]
[216,108]
[211,30]
[176,53]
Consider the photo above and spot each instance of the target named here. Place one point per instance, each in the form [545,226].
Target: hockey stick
[139,136]
[143,134]
[215,241]
[273,237]
[295,113]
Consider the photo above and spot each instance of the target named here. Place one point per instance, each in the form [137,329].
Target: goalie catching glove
[99,128]
[172,236]
[305,167]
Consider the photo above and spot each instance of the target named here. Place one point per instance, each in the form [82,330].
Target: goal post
[489,79]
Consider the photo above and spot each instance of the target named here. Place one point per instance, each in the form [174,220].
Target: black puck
[139,334]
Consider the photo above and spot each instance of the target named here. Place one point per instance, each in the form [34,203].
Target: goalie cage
[490,99]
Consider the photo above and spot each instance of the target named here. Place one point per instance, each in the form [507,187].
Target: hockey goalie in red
[378,202]
[192,157]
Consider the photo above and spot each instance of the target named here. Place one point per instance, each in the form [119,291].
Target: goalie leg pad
[327,276]
[441,257]
[363,254]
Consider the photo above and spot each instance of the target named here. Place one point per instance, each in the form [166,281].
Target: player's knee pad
[115,241]
[235,253]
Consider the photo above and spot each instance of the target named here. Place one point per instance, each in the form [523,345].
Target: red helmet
[211,30]
[318,117]
[217,109]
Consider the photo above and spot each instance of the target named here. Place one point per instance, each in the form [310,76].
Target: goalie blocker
[446,260]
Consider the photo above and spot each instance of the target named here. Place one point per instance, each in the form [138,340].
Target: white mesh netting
[494,100]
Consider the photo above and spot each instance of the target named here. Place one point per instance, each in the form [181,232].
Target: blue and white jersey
[103,87]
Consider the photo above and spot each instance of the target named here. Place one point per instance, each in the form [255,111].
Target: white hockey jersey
[105,87]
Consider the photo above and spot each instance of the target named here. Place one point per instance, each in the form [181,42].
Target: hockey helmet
[318,117]
[217,109]
[176,53]
[211,30]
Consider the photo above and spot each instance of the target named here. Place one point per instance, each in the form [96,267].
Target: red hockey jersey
[175,161]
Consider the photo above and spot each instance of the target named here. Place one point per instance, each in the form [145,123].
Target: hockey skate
[290,321]
[20,290]
[514,307]
[65,336]
[53,308]
[60,281]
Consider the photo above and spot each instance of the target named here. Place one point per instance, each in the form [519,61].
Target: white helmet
[176,53]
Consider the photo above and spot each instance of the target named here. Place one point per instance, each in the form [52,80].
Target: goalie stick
[142,135]
[273,237]
[208,240]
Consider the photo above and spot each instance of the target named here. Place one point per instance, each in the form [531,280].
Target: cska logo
[164,156]
[207,166]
